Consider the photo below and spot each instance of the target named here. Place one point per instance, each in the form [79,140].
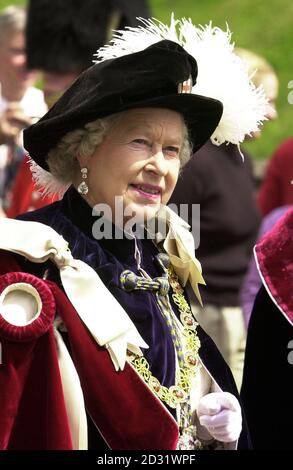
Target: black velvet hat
[149,78]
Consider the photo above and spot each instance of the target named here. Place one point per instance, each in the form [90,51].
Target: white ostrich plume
[47,183]
[221,73]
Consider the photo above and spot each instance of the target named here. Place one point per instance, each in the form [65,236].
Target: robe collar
[274,261]
[177,239]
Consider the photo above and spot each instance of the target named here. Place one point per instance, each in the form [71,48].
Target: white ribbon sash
[101,313]
[179,244]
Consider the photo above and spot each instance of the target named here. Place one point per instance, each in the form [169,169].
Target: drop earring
[83,187]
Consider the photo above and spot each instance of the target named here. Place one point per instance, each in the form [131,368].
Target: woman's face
[138,160]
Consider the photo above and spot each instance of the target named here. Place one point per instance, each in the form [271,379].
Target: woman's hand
[220,414]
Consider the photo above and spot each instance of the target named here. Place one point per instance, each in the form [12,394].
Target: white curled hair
[62,161]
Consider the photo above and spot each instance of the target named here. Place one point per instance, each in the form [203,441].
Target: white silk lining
[20,304]
[73,396]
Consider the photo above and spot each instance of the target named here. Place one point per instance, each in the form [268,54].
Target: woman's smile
[147,191]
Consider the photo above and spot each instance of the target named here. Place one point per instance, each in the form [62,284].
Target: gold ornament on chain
[178,394]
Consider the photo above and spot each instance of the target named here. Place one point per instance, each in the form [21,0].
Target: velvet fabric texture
[267,386]
[274,256]
[148,78]
[33,413]
[120,404]
[72,218]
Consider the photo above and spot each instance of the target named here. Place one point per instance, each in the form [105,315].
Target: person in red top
[277,187]
[25,195]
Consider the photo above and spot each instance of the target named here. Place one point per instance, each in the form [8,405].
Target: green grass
[264,27]
[5,3]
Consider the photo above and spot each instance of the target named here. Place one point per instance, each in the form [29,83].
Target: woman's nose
[157,163]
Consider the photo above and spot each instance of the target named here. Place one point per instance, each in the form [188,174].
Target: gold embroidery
[186,344]
[179,393]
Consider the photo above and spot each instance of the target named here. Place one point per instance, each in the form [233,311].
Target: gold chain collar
[180,392]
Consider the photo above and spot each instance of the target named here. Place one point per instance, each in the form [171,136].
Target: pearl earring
[83,187]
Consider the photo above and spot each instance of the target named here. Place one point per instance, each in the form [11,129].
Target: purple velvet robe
[72,218]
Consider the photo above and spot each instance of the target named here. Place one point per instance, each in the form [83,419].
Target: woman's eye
[140,141]
[170,150]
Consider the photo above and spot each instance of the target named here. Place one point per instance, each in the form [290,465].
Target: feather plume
[47,183]
[221,73]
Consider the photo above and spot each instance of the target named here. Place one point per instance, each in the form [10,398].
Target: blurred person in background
[63,36]
[223,184]
[275,198]
[61,39]
[277,187]
[20,102]
[262,74]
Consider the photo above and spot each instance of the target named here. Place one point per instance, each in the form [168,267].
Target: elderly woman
[145,372]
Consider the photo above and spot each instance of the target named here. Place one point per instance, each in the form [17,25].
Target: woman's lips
[146,192]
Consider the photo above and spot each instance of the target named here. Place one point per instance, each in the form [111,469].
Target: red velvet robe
[33,408]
